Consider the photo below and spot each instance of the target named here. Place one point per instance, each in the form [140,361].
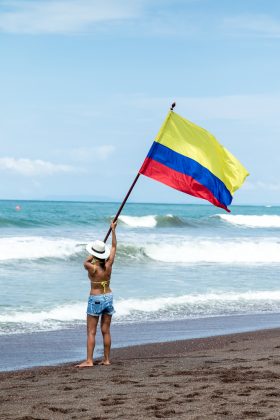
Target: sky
[85,86]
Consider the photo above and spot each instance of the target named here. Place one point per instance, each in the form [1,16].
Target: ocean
[173,262]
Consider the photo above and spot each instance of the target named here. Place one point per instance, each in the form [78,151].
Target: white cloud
[62,16]
[79,16]
[102,152]
[30,167]
[259,25]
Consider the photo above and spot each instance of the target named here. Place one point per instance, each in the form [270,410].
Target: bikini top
[104,283]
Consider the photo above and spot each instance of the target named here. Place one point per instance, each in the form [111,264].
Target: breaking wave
[199,305]
[217,251]
[151,309]
[191,251]
[35,247]
[151,221]
[263,221]
[188,250]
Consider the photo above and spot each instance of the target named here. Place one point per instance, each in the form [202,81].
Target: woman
[100,303]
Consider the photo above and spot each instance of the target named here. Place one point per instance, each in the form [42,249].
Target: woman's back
[99,274]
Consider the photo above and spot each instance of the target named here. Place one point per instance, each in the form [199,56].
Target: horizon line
[130,202]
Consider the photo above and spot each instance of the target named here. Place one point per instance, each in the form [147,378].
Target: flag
[188,158]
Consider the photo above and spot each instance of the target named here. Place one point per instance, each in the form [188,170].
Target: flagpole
[172,106]
[122,205]
[128,193]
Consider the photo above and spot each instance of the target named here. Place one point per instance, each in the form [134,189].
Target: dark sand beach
[234,376]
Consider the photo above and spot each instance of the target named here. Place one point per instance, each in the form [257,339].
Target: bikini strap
[104,283]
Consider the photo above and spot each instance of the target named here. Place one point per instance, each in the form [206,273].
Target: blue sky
[85,86]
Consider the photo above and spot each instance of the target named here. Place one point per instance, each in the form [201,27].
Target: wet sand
[234,376]
[48,348]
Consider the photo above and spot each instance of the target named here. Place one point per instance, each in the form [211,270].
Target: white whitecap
[262,221]
[67,312]
[184,306]
[208,303]
[33,247]
[199,250]
[139,221]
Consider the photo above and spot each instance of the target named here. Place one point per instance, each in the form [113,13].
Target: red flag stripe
[177,180]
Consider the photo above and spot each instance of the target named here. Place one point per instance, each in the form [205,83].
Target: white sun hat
[98,249]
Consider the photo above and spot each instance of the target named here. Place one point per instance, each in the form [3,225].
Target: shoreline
[21,351]
[230,376]
[153,350]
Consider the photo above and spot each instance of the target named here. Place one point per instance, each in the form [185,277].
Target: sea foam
[148,309]
[188,250]
[139,221]
[199,250]
[263,221]
[34,247]
[67,312]
[151,221]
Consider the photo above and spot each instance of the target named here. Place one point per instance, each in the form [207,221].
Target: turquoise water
[173,262]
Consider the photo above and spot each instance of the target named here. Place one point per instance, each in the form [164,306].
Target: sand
[235,376]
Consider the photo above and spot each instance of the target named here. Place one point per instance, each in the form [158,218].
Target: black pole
[122,205]
[129,191]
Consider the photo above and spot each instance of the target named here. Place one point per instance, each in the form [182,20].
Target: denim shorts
[100,304]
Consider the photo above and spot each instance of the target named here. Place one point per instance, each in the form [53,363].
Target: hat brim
[104,256]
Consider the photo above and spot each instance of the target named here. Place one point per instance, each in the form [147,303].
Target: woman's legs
[92,322]
[105,329]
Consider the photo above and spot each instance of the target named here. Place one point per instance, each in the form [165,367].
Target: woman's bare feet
[105,362]
[87,363]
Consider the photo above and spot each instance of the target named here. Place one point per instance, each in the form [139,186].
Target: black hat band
[98,252]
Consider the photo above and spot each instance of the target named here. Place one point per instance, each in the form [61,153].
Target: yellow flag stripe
[192,141]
